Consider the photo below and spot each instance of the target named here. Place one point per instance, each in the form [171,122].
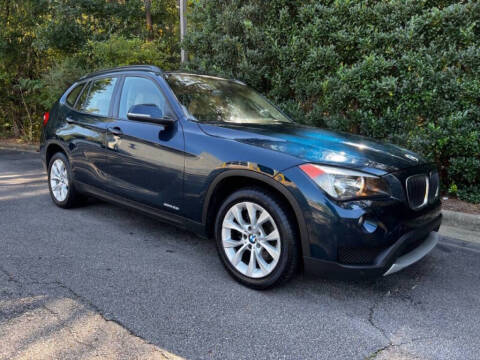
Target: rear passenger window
[99,97]
[74,94]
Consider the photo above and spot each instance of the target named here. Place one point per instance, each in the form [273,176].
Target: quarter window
[74,94]
[83,96]
[99,97]
[140,91]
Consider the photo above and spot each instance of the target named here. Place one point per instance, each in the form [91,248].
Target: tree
[56,41]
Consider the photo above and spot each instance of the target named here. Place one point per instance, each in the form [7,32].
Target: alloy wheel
[59,180]
[251,239]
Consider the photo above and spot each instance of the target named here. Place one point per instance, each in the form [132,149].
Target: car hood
[320,146]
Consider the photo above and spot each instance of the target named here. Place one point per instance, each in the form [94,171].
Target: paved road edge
[19,147]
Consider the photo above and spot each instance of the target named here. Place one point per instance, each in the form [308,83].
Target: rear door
[88,121]
[145,160]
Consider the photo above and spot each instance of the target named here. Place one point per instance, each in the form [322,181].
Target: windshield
[210,99]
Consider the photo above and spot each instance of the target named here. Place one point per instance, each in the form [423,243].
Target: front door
[145,160]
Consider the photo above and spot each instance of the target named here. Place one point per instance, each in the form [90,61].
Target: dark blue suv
[215,157]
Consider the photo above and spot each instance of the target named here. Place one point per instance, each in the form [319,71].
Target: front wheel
[256,238]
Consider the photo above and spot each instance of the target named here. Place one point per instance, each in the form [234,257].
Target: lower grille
[417,191]
[358,256]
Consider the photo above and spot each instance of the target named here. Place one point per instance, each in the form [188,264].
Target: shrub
[403,71]
[119,50]
[470,194]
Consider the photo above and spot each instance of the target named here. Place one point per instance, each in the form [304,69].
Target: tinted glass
[211,99]
[140,91]
[74,94]
[82,97]
[99,97]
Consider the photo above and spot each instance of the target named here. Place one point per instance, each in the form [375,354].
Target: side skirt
[172,219]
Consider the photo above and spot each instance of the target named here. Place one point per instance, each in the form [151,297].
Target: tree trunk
[148,18]
[183,27]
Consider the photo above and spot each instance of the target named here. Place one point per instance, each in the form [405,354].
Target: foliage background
[46,44]
[405,71]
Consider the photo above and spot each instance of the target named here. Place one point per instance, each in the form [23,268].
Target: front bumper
[414,255]
[408,249]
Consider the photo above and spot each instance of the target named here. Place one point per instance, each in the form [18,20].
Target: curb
[21,147]
[461,220]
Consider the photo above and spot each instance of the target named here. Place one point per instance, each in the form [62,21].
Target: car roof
[149,68]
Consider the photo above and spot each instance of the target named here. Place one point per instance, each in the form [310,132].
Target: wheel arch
[51,149]
[231,180]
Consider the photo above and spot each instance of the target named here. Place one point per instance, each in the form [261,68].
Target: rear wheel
[256,239]
[62,189]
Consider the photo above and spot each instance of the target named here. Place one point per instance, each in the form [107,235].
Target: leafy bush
[470,194]
[403,71]
[116,51]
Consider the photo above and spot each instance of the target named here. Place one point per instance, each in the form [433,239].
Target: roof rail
[150,68]
[180,72]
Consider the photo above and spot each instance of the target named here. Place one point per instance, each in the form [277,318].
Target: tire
[235,243]
[61,170]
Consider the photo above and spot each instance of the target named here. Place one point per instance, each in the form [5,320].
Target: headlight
[343,184]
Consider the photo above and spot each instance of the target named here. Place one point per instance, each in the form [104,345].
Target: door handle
[115,130]
[69,119]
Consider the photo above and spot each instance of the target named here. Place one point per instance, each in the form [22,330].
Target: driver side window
[140,91]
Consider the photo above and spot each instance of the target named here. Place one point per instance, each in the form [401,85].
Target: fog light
[370,226]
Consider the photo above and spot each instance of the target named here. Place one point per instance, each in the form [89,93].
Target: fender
[48,143]
[268,180]
[59,143]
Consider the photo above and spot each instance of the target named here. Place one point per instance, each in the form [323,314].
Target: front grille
[358,256]
[434,186]
[417,191]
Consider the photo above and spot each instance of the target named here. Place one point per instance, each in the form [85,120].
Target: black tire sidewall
[287,241]
[68,200]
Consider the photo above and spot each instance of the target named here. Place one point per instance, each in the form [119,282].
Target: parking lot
[103,281]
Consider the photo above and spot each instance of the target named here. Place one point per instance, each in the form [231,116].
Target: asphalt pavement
[105,282]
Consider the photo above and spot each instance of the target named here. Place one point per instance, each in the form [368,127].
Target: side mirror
[149,113]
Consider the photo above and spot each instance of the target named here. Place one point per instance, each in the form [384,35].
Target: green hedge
[401,70]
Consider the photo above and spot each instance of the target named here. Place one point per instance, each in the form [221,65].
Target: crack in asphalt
[379,328]
[391,344]
[372,322]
